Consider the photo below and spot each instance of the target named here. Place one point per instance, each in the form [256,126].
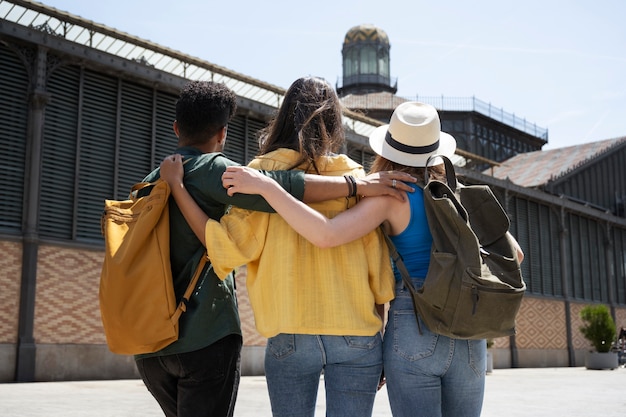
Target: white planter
[601,360]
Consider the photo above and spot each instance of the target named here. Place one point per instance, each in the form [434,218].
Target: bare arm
[518,248]
[172,172]
[322,188]
[352,224]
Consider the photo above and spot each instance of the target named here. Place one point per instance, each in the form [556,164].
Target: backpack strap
[182,305]
[406,278]
[450,174]
[136,188]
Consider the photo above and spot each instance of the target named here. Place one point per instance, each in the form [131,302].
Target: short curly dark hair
[202,109]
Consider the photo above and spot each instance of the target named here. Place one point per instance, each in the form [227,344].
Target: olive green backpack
[474,285]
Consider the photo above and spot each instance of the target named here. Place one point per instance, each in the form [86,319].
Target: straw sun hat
[412,135]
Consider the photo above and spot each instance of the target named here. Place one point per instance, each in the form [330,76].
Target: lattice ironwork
[103,38]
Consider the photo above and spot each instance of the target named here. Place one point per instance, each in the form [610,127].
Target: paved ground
[542,392]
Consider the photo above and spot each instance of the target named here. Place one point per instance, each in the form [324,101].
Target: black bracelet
[350,186]
[354,184]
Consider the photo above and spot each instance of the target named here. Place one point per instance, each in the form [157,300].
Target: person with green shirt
[198,375]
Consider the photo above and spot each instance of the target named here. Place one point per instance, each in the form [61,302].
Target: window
[368,61]
[383,62]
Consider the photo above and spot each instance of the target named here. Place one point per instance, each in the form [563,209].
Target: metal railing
[482,107]
[100,37]
[391,82]
[103,38]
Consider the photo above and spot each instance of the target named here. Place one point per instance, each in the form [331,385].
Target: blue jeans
[351,364]
[428,374]
[195,384]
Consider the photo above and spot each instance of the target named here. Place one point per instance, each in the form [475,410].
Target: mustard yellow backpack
[138,306]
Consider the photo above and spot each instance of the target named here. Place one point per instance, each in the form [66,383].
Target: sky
[560,64]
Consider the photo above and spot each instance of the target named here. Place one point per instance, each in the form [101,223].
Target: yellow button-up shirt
[294,286]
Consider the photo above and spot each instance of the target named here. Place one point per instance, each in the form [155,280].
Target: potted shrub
[599,329]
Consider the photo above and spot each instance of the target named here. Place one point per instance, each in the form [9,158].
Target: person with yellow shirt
[320,308]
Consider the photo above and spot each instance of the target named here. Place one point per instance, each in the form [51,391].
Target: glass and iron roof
[109,40]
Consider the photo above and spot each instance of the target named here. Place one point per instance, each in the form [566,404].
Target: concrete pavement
[537,392]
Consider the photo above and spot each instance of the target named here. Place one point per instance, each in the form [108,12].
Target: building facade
[87,111]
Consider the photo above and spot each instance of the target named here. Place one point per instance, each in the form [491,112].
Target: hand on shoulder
[171,169]
[245,180]
[389,183]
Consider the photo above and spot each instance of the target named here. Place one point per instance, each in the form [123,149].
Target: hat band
[410,149]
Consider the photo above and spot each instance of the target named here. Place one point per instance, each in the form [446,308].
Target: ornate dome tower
[366,62]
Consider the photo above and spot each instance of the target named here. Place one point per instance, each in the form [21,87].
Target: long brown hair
[308,121]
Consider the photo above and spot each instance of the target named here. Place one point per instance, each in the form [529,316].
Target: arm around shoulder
[314,226]
[172,172]
[392,183]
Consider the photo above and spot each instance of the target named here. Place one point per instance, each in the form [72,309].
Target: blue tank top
[414,243]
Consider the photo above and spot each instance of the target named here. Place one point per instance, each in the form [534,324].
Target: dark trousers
[195,384]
